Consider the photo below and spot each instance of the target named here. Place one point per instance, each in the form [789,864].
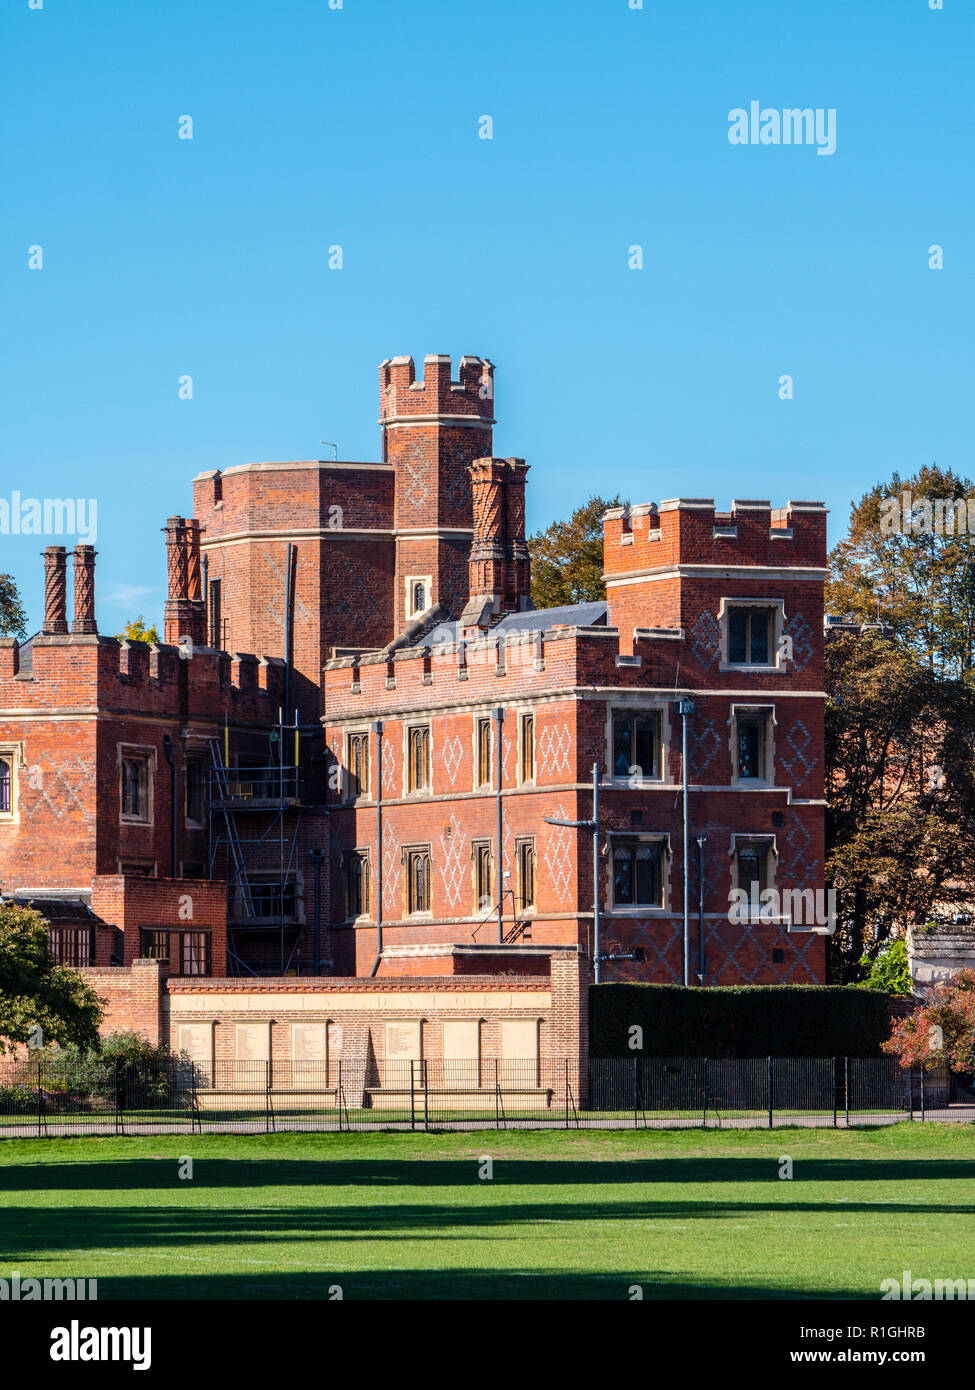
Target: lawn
[565,1216]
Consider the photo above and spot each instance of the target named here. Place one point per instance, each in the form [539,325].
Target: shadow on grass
[153,1175]
[454,1285]
[28,1231]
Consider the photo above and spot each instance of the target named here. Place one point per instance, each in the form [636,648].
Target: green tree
[889,970]
[567,557]
[35,992]
[911,564]
[900,820]
[136,631]
[13,619]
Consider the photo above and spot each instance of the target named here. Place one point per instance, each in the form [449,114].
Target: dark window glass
[155,944]
[751,872]
[737,635]
[749,636]
[637,876]
[194,790]
[4,785]
[635,744]
[749,748]
[195,953]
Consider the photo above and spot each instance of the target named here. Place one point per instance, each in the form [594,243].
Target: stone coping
[356,984]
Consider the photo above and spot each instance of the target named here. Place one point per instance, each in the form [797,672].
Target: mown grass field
[572,1215]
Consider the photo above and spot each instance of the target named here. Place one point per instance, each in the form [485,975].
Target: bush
[738,1021]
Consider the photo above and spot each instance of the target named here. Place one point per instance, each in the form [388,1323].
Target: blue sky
[359,127]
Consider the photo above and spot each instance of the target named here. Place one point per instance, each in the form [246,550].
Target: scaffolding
[254,820]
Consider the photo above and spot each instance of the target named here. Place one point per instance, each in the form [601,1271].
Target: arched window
[419,597]
[6,786]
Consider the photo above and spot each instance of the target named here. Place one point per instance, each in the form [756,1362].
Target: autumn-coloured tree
[909,561]
[13,619]
[942,1029]
[567,557]
[136,631]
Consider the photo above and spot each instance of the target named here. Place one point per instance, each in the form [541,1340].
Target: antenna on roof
[329,445]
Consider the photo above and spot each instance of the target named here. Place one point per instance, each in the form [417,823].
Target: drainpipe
[701,842]
[498,715]
[377,729]
[685,708]
[289,628]
[167,744]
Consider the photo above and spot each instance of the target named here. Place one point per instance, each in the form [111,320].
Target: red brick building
[360,752]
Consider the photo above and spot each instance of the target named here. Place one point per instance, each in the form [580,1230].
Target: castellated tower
[433,430]
[323,557]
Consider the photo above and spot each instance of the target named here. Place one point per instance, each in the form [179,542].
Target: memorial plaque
[519,1039]
[403,1042]
[460,1039]
[196,1040]
[308,1042]
[252,1041]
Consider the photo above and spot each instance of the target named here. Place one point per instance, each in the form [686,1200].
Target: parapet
[690,531]
[401,395]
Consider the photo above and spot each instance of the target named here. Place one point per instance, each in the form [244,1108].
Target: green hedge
[740,1021]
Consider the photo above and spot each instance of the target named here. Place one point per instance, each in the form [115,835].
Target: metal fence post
[770,1097]
[338,1095]
[497,1097]
[412,1099]
[423,1073]
[117,1079]
[704,1111]
[846,1089]
[566,1092]
[40,1102]
[634,1092]
[922,1093]
[832,1073]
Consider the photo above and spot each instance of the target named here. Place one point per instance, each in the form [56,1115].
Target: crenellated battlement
[401,395]
[106,674]
[691,531]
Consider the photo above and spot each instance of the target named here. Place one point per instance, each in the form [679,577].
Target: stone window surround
[767,778]
[637,703]
[744,840]
[777,607]
[658,837]
[145,753]
[12,753]
[409,725]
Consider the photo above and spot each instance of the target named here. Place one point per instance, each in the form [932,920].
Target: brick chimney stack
[498,565]
[55,591]
[84,590]
[518,563]
[185,615]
